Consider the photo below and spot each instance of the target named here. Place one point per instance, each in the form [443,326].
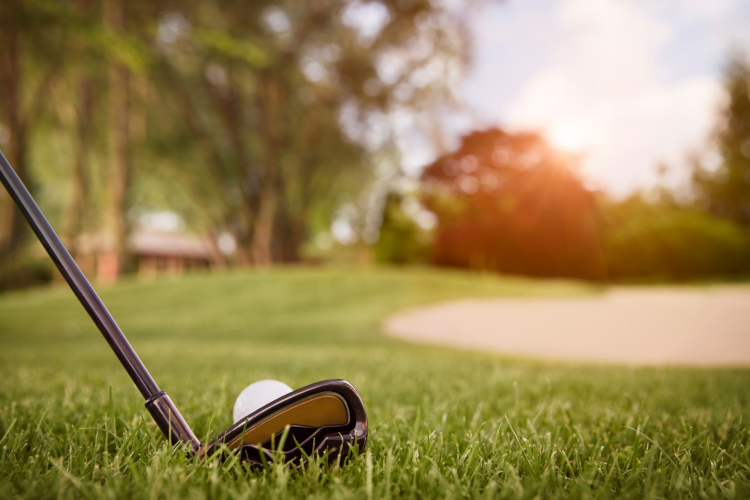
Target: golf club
[327,416]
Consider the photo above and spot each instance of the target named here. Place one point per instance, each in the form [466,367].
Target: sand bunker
[691,326]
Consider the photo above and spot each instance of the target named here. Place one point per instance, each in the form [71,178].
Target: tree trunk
[229,103]
[72,218]
[264,227]
[270,104]
[15,149]
[112,260]
[291,222]
[289,234]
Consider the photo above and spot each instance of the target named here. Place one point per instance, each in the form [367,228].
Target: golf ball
[257,395]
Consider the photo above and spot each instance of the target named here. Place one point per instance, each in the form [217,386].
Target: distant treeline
[245,118]
[259,120]
[510,203]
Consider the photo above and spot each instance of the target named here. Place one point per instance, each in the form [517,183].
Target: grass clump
[444,424]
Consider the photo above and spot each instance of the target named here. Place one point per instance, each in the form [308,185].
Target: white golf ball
[257,395]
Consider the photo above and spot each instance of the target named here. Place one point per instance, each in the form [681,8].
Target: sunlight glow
[569,137]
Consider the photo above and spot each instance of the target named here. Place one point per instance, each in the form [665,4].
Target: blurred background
[600,140]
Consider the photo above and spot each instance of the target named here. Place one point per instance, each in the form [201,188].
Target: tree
[251,118]
[401,240]
[666,241]
[510,203]
[119,172]
[10,97]
[28,32]
[83,99]
[266,90]
[725,192]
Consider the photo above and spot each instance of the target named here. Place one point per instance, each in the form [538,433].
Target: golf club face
[325,416]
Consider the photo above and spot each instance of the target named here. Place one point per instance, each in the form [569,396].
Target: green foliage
[444,424]
[401,239]
[26,269]
[252,118]
[226,45]
[668,242]
[725,192]
[510,203]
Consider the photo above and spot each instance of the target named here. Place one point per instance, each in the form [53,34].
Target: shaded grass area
[444,424]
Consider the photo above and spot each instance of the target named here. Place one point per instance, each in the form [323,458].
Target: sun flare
[569,137]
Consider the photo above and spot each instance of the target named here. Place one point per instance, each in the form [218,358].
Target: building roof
[163,244]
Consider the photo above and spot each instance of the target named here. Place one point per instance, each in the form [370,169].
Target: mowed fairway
[444,424]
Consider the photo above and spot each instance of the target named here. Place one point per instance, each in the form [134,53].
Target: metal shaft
[162,409]
[77,281]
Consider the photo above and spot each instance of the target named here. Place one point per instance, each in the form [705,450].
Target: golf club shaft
[77,281]
[164,412]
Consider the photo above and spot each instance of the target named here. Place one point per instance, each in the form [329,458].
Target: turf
[444,424]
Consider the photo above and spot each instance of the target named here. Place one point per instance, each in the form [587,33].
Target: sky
[629,84]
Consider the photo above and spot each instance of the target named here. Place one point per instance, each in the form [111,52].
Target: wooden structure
[168,253]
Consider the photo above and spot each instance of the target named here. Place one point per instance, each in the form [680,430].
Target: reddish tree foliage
[510,203]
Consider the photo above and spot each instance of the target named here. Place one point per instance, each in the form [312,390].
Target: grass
[444,424]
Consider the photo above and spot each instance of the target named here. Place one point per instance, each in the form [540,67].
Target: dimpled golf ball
[257,395]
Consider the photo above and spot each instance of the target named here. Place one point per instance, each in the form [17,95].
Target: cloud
[628,83]
[607,94]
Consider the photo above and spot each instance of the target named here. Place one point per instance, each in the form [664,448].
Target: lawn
[444,424]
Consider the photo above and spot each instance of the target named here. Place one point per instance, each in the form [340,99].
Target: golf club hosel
[170,421]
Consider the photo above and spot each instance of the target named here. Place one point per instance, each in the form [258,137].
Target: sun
[569,137]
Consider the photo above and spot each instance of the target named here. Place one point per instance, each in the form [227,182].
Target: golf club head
[325,416]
